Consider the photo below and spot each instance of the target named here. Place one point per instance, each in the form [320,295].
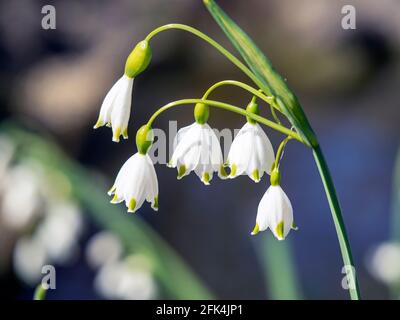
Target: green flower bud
[144,139]
[138,59]
[275,177]
[253,108]
[201,113]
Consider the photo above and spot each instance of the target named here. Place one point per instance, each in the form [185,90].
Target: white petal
[178,145]
[280,211]
[188,150]
[152,183]
[134,186]
[122,108]
[217,158]
[263,211]
[241,149]
[264,149]
[106,106]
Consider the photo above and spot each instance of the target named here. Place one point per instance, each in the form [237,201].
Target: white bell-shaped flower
[197,149]
[116,108]
[136,182]
[275,211]
[251,153]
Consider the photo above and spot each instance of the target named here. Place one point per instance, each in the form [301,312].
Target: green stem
[242,85]
[228,107]
[272,106]
[212,42]
[40,293]
[280,150]
[337,219]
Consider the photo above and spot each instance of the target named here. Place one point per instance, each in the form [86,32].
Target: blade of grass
[276,258]
[395,218]
[395,232]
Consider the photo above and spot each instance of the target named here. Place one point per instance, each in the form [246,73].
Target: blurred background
[55,170]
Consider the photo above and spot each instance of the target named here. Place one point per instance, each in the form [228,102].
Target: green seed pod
[138,59]
[253,108]
[144,138]
[201,113]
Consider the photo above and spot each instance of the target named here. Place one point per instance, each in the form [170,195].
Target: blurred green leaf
[396,200]
[176,277]
[276,257]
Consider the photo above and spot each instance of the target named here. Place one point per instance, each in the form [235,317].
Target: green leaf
[272,82]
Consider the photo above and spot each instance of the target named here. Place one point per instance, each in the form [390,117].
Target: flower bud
[201,113]
[138,59]
[253,108]
[144,139]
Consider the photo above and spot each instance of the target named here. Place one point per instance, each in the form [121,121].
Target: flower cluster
[196,148]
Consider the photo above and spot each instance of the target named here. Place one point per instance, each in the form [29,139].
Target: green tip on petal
[294,226]
[114,199]
[155,204]
[233,171]
[98,124]
[181,171]
[279,230]
[222,172]
[132,205]
[255,230]
[125,133]
[256,175]
[111,191]
[206,178]
[116,134]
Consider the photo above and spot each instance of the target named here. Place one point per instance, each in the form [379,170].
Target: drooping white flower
[29,257]
[116,108]
[384,262]
[22,197]
[60,231]
[197,148]
[103,248]
[251,153]
[136,181]
[275,212]
[127,279]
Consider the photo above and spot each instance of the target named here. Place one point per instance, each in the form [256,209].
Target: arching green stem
[280,150]
[254,91]
[230,108]
[212,42]
[272,106]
